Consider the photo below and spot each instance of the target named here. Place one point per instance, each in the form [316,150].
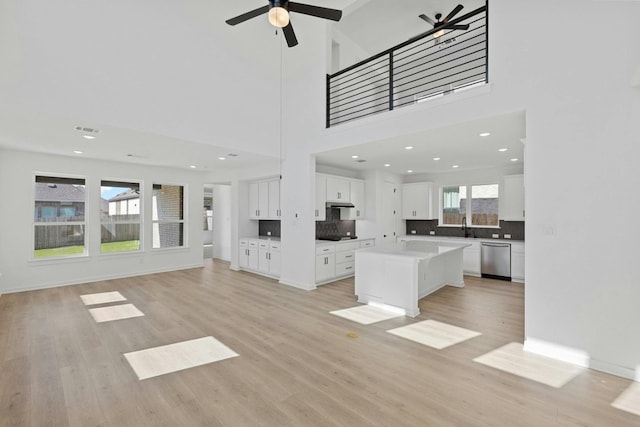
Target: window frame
[183,221]
[34,223]
[468,210]
[140,222]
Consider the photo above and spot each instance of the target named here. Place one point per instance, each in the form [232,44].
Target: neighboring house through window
[168,216]
[59,216]
[481,212]
[120,227]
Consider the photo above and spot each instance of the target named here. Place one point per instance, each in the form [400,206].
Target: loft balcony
[429,66]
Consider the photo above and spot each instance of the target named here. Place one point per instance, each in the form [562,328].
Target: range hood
[340,205]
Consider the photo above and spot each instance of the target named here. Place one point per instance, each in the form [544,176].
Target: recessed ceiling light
[502,150]
[455,166]
[354,157]
[409,171]
[77,151]
[192,166]
[514,160]
[436,158]
[485,134]
[386,165]
[408,147]
[222,158]
[89,136]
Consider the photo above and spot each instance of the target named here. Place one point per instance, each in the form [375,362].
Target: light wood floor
[297,366]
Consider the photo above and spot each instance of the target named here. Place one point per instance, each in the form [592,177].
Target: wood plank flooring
[298,366]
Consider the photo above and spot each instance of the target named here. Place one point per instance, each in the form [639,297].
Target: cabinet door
[254,200]
[274,199]
[263,200]
[416,201]
[253,256]
[325,267]
[321,197]
[243,254]
[512,198]
[356,192]
[274,263]
[263,260]
[471,261]
[338,189]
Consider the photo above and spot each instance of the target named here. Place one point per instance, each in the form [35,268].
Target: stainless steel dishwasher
[495,260]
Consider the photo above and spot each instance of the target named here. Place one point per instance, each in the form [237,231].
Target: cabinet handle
[348,268]
[348,256]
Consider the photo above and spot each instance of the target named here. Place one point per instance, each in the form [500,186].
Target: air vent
[360,161]
[86,129]
[232,155]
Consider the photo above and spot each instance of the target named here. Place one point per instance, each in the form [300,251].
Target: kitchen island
[399,275]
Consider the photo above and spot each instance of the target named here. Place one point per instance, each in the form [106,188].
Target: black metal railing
[420,69]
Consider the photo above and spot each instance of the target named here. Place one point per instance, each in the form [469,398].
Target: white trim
[609,368]
[101,278]
[297,285]
[556,351]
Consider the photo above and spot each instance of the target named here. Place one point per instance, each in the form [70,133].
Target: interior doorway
[207,222]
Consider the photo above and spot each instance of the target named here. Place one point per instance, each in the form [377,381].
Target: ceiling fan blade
[464,27]
[290,35]
[319,12]
[427,19]
[246,16]
[453,13]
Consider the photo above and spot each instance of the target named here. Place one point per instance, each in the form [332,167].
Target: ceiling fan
[278,11]
[440,26]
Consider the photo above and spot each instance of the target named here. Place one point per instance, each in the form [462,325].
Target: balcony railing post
[328,95]
[390,80]
[486,41]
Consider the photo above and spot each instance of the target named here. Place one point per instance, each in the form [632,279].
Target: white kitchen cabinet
[269,257]
[264,199]
[417,201]
[337,261]
[356,194]
[274,199]
[512,198]
[325,263]
[471,261]
[517,262]
[321,197]
[248,256]
[338,189]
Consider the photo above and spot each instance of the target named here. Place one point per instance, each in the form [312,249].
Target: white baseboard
[303,286]
[234,267]
[101,278]
[557,351]
[578,357]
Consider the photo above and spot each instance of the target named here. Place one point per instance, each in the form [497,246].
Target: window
[120,219]
[483,209]
[168,216]
[59,222]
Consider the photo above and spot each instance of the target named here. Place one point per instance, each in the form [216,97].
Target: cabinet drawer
[325,249]
[366,243]
[263,245]
[253,243]
[345,256]
[274,246]
[244,242]
[347,246]
[344,268]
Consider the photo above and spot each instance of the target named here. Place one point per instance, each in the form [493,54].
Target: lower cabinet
[337,261]
[471,259]
[517,262]
[261,256]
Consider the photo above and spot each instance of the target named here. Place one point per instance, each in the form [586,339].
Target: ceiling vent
[87,130]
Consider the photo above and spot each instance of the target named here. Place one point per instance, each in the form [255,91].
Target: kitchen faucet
[464,226]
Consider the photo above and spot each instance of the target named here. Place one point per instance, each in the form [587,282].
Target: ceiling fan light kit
[439,26]
[278,14]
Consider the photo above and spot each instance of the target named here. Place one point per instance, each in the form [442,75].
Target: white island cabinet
[336,260]
[401,274]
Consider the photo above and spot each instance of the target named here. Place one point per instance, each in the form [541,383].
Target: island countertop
[417,249]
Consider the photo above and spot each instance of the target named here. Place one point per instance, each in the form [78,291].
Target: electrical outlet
[413,231]
[268,233]
[495,236]
[348,233]
[432,233]
[507,236]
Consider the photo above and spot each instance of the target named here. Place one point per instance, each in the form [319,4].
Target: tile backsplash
[423,227]
[269,226]
[333,225]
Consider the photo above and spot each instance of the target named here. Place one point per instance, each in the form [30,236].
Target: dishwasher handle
[497,245]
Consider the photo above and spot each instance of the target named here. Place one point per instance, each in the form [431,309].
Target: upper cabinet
[338,189]
[264,199]
[321,197]
[512,198]
[418,201]
[356,191]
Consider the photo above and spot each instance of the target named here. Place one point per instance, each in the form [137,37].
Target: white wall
[16,223]
[222,222]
